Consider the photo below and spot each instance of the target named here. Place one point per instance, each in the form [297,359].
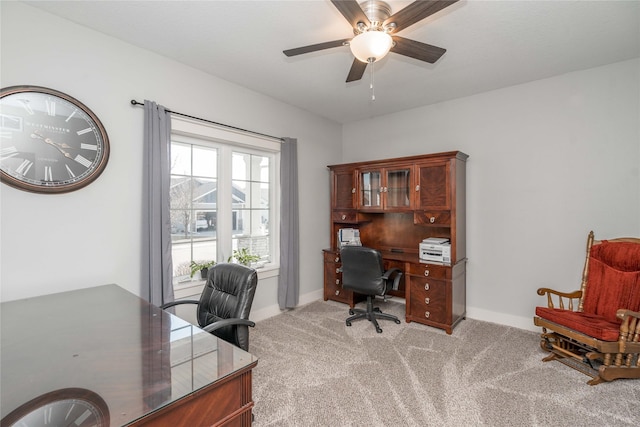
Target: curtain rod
[134,103]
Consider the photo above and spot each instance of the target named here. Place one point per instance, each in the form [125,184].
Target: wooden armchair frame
[602,360]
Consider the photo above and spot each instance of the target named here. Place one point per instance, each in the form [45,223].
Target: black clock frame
[44,187]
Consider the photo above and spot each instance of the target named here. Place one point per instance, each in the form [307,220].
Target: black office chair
[363,273]
[225,303]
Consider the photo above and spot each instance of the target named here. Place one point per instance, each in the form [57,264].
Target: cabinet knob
[426,286]
[353,191]
[337,281]
[427,300]
[344,217]
[337,292]
[426,272]
[337,259]
[338,270]
[432,219]
[427,314]
[417,188]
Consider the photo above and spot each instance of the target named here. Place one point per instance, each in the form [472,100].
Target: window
[223,197]
[250,179]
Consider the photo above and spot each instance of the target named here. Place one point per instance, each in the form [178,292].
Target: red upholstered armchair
[602,337]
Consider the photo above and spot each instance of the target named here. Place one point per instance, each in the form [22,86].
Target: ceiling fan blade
[416,11]
[352,11]
[418,50]
[357,70]
[315,47]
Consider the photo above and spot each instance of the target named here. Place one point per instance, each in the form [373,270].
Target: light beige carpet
[315,371]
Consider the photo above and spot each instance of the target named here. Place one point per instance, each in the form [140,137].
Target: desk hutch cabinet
[395,204]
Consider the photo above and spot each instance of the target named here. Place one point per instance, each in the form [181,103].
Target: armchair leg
[552,356]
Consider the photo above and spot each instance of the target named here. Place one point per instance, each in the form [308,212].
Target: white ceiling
[490,45]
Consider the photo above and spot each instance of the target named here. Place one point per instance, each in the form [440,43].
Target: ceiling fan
[374,27]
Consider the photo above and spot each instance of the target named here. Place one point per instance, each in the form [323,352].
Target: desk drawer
[334,291]
[437,218]
[428,299]
[344,216]
[332,257]
[430,270]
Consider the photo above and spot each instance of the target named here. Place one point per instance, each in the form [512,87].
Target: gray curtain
[157,270]
[289,279]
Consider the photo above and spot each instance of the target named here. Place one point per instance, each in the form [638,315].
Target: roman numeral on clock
[7,152]
[24,167]
[48,175]
[84,162]
[51,107]
[26,106]
[71,115]
[69,171]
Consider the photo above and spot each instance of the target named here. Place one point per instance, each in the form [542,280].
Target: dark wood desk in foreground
[104,357]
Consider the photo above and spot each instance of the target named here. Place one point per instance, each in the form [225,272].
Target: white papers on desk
[349,237]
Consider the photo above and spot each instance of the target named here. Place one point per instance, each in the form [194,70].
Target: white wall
[549,161]
[53,243]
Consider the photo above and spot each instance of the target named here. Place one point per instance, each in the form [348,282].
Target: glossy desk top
[108,342]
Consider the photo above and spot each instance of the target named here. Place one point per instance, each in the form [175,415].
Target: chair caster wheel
[397,321]
[377,309]
[351,312]
[379,330]
[348,323]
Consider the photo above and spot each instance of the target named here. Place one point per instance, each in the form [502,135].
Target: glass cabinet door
[371,189]
[398,188]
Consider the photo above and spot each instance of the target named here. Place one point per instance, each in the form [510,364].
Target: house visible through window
[222,200]
[193,209]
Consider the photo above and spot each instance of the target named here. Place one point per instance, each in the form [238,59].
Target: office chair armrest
[396,280]
[227,322]
[174,303]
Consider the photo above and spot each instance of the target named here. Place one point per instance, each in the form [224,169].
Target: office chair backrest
[362,270]
[228,293]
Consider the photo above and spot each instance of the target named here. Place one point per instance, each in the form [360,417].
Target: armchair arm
[227,322]
[623,314]
[396,280]
[180,302]
[629,331]
[561,296]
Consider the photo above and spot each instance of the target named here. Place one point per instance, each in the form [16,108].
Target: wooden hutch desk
[104,357]
[395,204]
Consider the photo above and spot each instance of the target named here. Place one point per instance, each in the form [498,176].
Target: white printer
[435,249]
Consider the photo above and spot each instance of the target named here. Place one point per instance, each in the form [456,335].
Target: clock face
[66,407]
[49,141]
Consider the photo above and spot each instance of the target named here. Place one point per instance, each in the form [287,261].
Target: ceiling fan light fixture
[371,45]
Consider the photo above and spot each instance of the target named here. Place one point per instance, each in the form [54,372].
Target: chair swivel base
[371,314]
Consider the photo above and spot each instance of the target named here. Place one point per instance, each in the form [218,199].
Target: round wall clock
[49,141]
[65,407]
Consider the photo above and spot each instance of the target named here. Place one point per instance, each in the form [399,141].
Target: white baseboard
[273,310]
[520,322]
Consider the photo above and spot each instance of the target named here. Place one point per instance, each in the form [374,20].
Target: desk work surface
[109,350]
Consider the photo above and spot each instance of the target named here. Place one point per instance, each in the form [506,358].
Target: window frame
[192,131]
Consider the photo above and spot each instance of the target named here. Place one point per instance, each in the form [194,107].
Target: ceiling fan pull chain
[373,92]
